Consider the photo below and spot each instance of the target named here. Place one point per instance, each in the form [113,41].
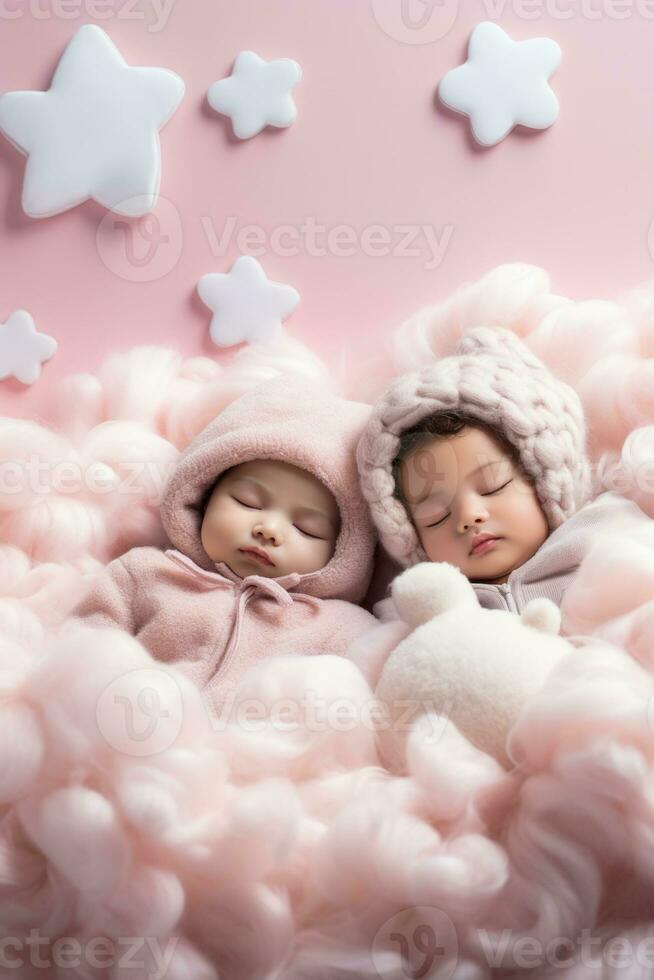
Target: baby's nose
[473,514]
[269,531]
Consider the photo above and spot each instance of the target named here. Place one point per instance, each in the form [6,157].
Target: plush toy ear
[543,615]
[429,589]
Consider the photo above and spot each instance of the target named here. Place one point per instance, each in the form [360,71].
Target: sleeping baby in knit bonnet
[476,474]
[479,460]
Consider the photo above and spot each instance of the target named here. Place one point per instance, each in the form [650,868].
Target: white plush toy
[475,666]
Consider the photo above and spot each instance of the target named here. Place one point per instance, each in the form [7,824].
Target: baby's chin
[495,572]
[490,580]
[244,567]
[491,568]
[482,568]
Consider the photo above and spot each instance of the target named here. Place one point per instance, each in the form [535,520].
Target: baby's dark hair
[441,425]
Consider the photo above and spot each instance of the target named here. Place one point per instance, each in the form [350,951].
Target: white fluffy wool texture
[284,850]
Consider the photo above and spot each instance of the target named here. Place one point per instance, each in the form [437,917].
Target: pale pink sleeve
[109,601]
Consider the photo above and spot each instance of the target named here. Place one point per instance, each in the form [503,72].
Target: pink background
[370,147]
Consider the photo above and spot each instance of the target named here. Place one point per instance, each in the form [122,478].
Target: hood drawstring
[244,590]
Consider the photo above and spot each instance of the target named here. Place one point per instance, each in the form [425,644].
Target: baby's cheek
[216,527]
[313,550]
[317,554]
[432,549]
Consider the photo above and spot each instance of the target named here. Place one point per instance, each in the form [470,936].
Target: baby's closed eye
[488,493]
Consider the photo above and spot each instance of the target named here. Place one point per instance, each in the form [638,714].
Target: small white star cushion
[256,94]
[22,349]
[503,83]
[94,133]
[246,306]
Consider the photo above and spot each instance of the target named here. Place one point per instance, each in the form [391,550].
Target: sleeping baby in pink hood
[272,544]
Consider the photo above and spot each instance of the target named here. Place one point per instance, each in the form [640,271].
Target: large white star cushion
[503,83]
[246,306]
[22,349]
[256,94]
[95,132]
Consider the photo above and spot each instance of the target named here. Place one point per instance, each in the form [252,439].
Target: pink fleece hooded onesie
[201,616]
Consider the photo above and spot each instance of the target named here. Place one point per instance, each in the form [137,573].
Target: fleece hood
[291,420]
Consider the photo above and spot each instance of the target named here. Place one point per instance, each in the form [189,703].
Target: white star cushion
[22,349]
[94,133]
[503,83]
[256,94]
[246,306]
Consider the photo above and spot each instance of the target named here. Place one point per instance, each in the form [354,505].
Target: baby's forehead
[296,484]
[465,451]
[276,470]
[254,467]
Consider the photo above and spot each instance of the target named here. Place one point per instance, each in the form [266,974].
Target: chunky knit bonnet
[495,378]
